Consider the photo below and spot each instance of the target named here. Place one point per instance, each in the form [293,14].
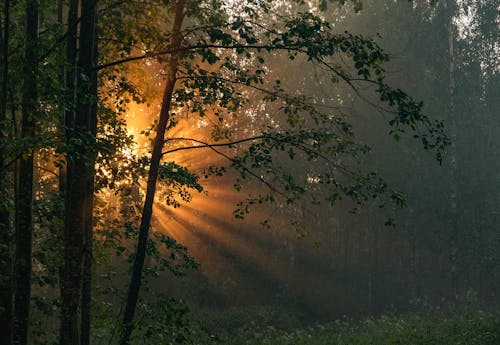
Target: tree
[171,75]
[218,57]
[216,60]
[88,80]
[81,123]
[5,222]
[407,27]
[24,200]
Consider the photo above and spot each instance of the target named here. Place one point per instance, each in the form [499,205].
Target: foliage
[169,322]
[162,320]
[260,122]
[236,52]
[434,327]
[177,181]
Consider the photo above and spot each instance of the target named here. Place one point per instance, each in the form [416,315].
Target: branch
[305,148]
[273,93]
[234,161]
[11,162]
[268,47]
[47,170]
[208,145]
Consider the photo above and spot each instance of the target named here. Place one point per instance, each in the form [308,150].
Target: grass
[462,327]
[274,325]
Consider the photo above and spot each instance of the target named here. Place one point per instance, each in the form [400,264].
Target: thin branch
[11,162]
[234,161]
[245,168]
[268,47]
[208,145]
[305,148]
[47,170]
[272,93]
[350,81]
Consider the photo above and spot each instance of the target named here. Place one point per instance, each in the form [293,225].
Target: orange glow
[254,258]
[139,117]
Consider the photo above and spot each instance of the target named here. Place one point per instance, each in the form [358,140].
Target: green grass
[272,325]
[462,327]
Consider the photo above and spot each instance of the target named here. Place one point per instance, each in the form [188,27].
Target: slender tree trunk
[87,64]
[69,79]
[71,277]
[62,166]
[136,276]
[24,206]
[454,231]
[374,268]
[62,80]
[414,277]
[87,263]
[5,229]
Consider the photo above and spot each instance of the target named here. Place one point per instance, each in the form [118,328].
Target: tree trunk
[24,206]
[414,265]
[5,229]
[136,276]
[71,277]
[87,63]
[374,268]
[454,231]
[62,80]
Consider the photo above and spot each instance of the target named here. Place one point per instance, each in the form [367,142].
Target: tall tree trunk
[71,276]
[69,79]
[374,268]
[62,81]
[414,279]
[79,196]
[87,64]
[24,206]
[454,231]
[414,263]
[5,229]
[136,276]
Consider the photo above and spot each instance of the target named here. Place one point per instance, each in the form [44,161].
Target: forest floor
[432,327]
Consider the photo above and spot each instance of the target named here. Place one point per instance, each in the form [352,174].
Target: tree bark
[414,271]
[136,276]
[87,64]
[454,230]
[62,80]
[71,276]
[24,206]
[5,228]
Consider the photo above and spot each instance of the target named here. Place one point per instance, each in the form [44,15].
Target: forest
[249,172]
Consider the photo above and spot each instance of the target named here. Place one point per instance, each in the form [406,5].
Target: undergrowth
[432,327]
